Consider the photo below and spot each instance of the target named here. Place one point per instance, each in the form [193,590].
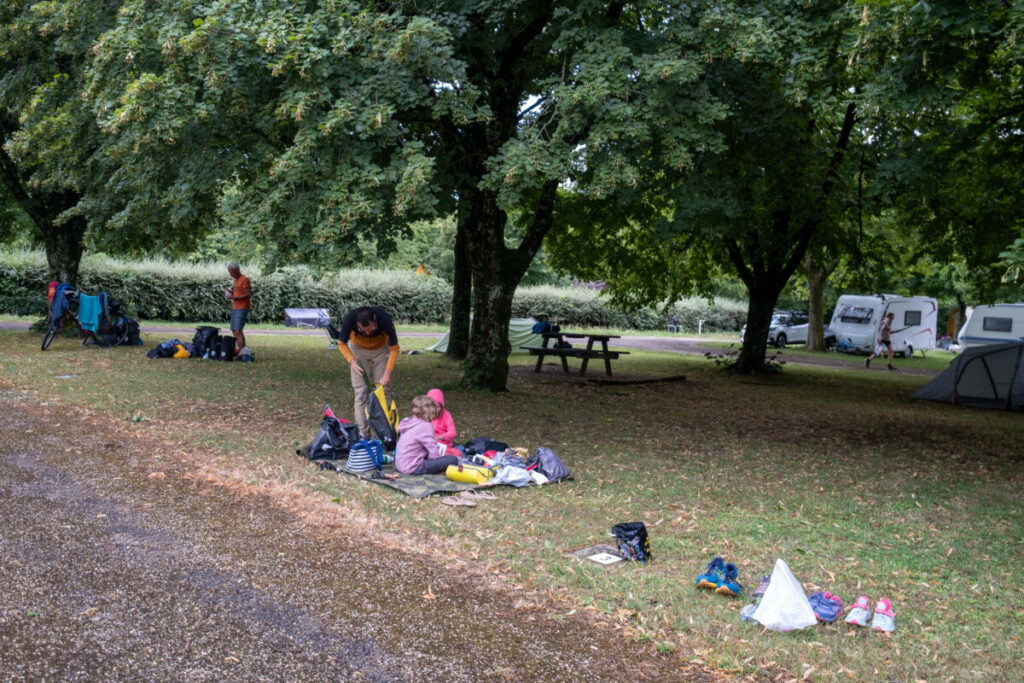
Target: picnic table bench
[563,352]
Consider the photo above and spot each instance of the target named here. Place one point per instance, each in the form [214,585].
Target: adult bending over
[418,451]
[368,337]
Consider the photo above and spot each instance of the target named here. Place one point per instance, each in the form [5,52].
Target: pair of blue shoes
[720,577]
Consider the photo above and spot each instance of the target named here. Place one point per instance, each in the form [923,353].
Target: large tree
[333,118]
[754,208]
[836,113]
[957,180]
[51,146]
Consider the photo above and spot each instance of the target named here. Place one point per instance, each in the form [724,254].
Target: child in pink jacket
[418,451]
[444,425]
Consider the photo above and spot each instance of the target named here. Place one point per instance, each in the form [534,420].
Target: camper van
[857,317]
[993,324]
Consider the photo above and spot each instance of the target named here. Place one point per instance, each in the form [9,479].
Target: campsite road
[124,559]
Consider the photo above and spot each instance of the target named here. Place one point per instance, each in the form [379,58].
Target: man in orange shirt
[240,296]
[368,337]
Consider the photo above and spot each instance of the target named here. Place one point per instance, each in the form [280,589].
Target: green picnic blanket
[415,485]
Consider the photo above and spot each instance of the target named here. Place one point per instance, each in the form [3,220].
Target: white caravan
[993,324]
[857,317]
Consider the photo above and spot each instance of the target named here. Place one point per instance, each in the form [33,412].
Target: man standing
[884,339]
[240,296]
[368,337]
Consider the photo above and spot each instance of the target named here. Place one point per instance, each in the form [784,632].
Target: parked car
[787,327]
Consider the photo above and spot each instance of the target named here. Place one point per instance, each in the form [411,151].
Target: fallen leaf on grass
[90,612]
[157,475]
[429,595]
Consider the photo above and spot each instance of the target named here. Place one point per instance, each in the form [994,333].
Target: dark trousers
[437,465]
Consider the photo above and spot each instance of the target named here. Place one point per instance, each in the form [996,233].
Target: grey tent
[990,376]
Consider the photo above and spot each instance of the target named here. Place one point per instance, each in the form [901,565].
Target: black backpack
[333,440]
[205,339]
[133,338]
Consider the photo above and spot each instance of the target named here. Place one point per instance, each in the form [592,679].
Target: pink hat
[437,396]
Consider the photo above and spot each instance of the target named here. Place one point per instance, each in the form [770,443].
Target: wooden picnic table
[561,351]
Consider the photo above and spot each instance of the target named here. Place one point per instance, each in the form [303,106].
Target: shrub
[163,290]
[156,289]
[581,307]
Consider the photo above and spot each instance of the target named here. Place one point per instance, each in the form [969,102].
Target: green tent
[520,333]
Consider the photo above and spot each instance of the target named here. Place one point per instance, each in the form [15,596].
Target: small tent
[990,376]
[520,333]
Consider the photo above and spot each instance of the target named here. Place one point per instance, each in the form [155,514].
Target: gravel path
[125,560]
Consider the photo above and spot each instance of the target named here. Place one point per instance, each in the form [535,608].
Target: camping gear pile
[482,461]
[207,343]
[486,462]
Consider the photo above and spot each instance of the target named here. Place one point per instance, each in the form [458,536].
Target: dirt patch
[126,558]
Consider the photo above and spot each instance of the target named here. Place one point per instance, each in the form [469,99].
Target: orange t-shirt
[242,286]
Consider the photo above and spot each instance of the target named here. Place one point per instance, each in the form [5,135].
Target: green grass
[935,359]
[858,487]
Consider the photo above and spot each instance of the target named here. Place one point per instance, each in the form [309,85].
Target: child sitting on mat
[444,425]
[418,451]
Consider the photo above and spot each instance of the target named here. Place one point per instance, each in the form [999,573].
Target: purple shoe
[826,606]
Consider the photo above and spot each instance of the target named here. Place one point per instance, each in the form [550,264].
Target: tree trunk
[497,271]
[494,283]
[760,307]
[487,361]
[462,289]
[64,249]
[817,276]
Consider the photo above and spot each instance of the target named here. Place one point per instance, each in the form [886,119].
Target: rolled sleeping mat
[469,474]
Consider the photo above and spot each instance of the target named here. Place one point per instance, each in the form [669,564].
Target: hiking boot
[885,618]
[729,585]
[859,612]
[712,575]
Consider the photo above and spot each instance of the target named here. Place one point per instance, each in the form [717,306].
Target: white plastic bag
[784,606]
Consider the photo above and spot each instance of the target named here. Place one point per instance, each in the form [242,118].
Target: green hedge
[160,290]
[580,307]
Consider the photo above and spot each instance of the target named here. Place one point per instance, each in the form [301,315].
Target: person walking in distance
[884,339]
[240,296]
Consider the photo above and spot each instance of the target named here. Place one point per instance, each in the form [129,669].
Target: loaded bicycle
[98,318]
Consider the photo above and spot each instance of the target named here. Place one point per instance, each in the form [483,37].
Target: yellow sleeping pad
[469,474]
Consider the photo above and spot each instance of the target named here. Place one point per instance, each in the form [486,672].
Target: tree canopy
[331,120]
